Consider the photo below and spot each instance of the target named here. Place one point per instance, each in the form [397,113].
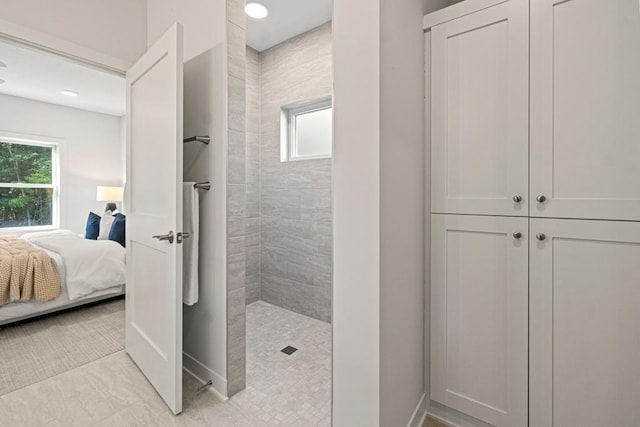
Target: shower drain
[288,350]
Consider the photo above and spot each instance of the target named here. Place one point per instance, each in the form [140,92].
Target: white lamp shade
[109,194]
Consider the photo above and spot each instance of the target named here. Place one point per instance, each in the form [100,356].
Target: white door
[585,318]
[479,292]
[154,219]
[480,112]
[585,109]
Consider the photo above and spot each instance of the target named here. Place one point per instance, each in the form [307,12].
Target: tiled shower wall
[253,176]
[290,265]
[236,198]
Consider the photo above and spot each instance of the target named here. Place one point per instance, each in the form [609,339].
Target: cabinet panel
[479,316]
[585,131]
[585,315]
[480,112]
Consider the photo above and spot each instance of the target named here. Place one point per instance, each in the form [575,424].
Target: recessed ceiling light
[69,92]
[256,10]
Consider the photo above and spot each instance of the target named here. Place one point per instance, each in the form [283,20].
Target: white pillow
[105,226]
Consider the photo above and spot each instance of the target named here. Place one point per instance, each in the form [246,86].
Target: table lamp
[111,195]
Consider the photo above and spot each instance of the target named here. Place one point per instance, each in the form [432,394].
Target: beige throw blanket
[26,273]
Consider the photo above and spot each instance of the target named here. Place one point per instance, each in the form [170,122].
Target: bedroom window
[28,184]
[307,130]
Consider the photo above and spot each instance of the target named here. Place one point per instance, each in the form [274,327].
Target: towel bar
[203,139]
[202,185]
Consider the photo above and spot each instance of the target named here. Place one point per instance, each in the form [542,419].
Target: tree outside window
[27,184]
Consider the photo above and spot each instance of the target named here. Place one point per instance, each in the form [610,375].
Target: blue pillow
[118,229]
[92,229]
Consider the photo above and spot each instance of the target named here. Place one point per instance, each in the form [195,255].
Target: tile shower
[288,245]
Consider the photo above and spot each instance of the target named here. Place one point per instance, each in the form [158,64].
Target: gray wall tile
[287,206]
[236,200]
[235,226]
[253,292]
[236,197]
[273,261]
[252,175]
[236,340]
[236,271]
[296,264]
[253,232]
[253,200]
[311,301]
[236,159]
[236,245]
[236,42]
[235,12]
[236,103]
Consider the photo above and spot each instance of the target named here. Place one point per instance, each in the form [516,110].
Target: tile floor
[287,390]
[282,390]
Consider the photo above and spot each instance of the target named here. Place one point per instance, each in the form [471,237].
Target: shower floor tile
[288,390]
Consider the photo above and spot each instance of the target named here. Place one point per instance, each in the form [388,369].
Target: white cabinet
[561,129]
[480,111]
[479,316]
[585,115]
[585,322]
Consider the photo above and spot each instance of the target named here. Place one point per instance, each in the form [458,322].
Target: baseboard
[203,374]
[419,414]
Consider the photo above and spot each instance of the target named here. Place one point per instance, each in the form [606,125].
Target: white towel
[190,224]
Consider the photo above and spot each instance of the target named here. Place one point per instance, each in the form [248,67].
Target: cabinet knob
[517,198]
[541,236]
[541,198]
[517,235]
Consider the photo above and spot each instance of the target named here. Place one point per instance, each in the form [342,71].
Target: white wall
[401,211]
[356,215]
[91,148]
[205,109]
[112,33]
[204,22]
[379,197]
[205,324]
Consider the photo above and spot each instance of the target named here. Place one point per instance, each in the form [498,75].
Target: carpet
[33,351]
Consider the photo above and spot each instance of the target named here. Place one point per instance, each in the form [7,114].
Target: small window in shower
[306,130]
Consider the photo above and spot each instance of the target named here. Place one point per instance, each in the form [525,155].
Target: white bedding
[85,266]
[25,309]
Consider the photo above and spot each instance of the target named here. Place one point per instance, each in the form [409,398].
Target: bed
[89,271]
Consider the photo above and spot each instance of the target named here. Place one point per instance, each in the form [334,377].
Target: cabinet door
[585,318]
[585,109]
[480,112]
[479,316]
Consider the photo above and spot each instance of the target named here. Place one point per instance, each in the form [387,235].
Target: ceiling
[38,75]
[287,18]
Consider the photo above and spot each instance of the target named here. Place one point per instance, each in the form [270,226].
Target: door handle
[161,237]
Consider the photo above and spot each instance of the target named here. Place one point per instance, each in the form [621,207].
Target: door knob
[162,237]
[517,235]
[541,236]
[541,198]
[517,198]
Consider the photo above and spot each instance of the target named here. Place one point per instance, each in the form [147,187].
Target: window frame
[55,184]
[288,143]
